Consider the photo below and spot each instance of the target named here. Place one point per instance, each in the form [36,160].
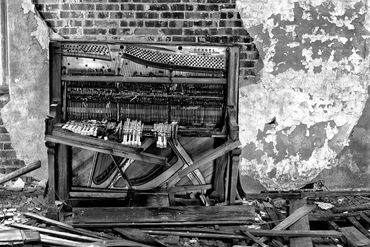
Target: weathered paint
[24,114]
[313,84]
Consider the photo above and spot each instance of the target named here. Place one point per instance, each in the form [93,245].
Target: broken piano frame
[133,122]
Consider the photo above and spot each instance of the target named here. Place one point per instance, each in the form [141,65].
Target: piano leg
[234,174]
[63,172]
[51,172]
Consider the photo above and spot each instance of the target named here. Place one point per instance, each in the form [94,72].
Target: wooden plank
[308,194]
[361,207]
[354,237]
[190,188]
[67,227]
[163,214]
[87,194]
[358,225]
[54,241]
[55,233]
[256,240]
[209,156]
[116,150]
[365,218]
[294,217]
[159,224]
[8,237]
[294,233]
[21,171]
[138,235]
[327,216]
[301,224]
[291,219]
[270,233]
[144,79]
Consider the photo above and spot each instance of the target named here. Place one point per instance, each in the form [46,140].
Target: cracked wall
[24,114]
[300,122]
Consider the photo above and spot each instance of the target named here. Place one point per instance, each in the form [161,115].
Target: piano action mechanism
[133,122]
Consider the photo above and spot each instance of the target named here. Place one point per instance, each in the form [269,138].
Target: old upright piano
[143,124]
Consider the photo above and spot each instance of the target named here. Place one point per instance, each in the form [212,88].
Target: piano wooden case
[143,124]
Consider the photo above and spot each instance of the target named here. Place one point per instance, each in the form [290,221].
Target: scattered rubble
[331,220]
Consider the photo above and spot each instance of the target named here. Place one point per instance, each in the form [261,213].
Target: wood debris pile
[309,221]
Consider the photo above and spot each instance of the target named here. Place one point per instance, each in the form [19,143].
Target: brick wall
[8,157]
[214,21]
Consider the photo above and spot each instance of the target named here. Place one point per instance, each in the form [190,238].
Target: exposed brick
[227,15]
[124,31]
[94,1]
[228,23]
[67,31]
[156,23]
[123,24]
[49,15]
[177,7]
[6,146]
[152,20]
[208,24]
[179,23]
[146,31]
[227,7]
[247,64]
[196,15]
[51,7]
[241,31]
[7,154]
[183,39]
[75,23]
[173,15]
[88,23]
[172,31]
[95,31]
[218,1]
[4,137]
[147,15]
[18,162]
[166,1]
[189,7]
[159,7]
[82,6]
[65,6]
[103,15]
[106,23]
[196,32]
[64,14]
[136,23]
[120,15]
[107,7]
[3,130]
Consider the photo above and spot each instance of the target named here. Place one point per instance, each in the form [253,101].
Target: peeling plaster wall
[296,122]
[24,114]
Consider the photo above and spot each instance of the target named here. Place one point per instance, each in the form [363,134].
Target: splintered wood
[90,217]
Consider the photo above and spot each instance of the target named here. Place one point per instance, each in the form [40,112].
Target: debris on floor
[326,219]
